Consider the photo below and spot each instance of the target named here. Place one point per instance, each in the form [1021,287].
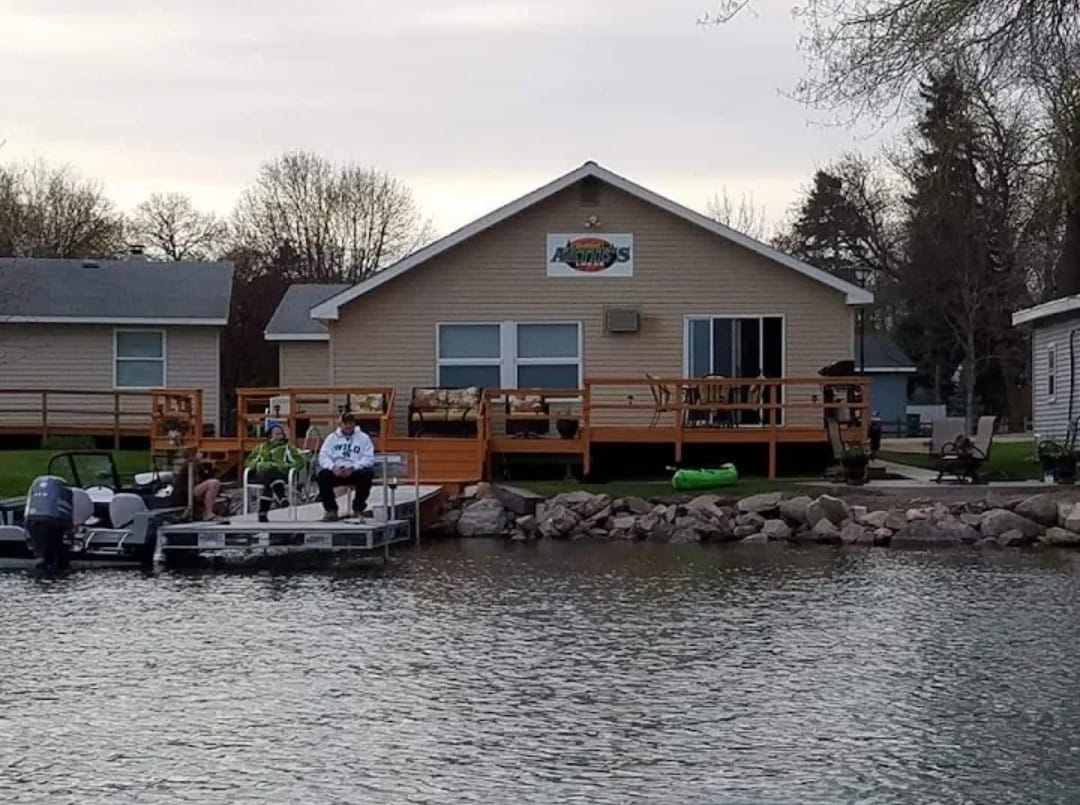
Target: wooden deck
[676,412]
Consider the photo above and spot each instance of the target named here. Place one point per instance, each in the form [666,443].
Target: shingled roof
[114,292]
[292,319]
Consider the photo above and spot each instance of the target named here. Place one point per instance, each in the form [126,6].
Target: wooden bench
[444,411]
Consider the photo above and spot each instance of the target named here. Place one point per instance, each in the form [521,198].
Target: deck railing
[306,407]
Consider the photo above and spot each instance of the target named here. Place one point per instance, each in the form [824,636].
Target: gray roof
[293,315]
[882,353]
[108,291]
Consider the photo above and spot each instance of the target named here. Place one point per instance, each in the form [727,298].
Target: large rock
[683,536]
[775,529]
[519,501]
[755,538]
[997,521]
[825,532]
[572,500]
[751,519]
[743,531]
[705,507]
[924,534]
[760,504]
[895,520]
[1015,538]
[1065,508]
[558,522]
[875,519]
[1042,509]
[828,508]
[882,536]
[447,525]
[1060,538]
[794,509]
[637,505]
[1072,522]
[528,525]
[855,534]
[971,519]
[988,544]
[484,518]
[960,530]
[623,522]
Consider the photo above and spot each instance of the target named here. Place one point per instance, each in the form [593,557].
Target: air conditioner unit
[621,320]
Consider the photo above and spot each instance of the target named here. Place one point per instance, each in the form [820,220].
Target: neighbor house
[890,372]
[124,325]
[1054,328]
[589,276]
[303,343]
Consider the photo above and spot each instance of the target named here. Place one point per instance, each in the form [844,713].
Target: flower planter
[1064,470]
[567,427]
[855,470]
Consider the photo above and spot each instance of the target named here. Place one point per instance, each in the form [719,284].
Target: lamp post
[861,273]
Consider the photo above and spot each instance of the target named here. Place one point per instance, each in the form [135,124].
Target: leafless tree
[48,211]
[742,216]
[170,228]
[342,222]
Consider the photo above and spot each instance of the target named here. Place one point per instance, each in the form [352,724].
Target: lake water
[489,672]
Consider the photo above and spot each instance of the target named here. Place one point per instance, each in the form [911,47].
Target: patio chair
[945,433]
[963,456]
[661,394]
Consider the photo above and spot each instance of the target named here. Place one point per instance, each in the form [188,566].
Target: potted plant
[1058,463]
[856,461]
[567,425]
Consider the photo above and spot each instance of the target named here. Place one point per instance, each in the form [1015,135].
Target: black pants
[359,480]
[273,483]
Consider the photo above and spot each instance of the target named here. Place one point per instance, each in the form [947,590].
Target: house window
[1051,371]
[510,355]
[139,359]
[549,356]
[735,346]
[470,355]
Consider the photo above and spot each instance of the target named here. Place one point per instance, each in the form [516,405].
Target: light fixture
[592,221]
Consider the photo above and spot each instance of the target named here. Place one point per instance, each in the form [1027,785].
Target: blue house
[890,371]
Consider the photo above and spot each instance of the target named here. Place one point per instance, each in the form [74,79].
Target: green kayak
[724,475]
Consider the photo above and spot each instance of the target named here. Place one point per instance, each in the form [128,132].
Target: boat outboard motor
[48,522]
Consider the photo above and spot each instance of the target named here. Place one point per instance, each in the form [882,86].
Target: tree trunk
[1068,267]
[969,380]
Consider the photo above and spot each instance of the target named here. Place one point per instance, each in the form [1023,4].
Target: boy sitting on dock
[347,457]
[270,463]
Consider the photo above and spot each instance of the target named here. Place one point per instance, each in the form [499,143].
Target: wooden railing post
[44,415]
[773,409]
[116,420]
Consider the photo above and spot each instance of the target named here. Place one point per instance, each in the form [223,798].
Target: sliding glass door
[737,347]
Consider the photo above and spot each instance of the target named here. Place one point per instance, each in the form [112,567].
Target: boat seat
[123,508]
[13,533]
[82,507]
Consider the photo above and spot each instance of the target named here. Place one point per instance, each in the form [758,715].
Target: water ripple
[481,672]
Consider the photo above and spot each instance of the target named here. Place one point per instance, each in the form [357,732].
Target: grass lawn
[1009,461]
[19,467]
[659,489]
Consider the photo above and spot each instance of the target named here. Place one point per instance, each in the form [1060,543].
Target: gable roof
[328,310]
[39,291]
[1055,307]
[883,355]
[292,319]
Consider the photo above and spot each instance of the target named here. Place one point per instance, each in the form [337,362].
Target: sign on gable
[590,255]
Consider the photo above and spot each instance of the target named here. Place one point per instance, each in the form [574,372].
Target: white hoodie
[356,451]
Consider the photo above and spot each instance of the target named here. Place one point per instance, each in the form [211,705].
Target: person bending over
[347,457]
[270,464]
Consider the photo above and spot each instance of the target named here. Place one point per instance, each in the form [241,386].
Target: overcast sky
[472,103]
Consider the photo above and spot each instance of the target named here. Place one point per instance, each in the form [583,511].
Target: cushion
[526,403]
[366,403]
[463,398]
[427,398]
[445,415]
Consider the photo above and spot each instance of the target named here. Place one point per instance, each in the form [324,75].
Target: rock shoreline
[988,523]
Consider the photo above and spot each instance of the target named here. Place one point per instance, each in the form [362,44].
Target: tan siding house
[482,306]
[117,325]
[304,363]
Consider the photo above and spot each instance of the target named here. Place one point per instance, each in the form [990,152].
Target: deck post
[44,415]
[116,420]
[773,411]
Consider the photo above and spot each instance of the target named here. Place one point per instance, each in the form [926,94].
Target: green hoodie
[276,455]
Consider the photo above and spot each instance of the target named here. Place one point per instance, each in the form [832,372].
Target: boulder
[856,513]
[1072,523]
[705,507]
[875,519]
[601,534]
[829,508]
[911,515]
[1064,509]
[794,509]
[518,536]
[683,536]
[895,520]
[855,534]
[704,500]
[776,529]
[528,525]
[960,530]
[447,524]
[755,538]
[595,506]
[924,534]
[572,500]
[623,522]
[519,501]
[751,519]
[882,536]
[825,532]
[637,505]
[1015,538]
[1042,509]
[988,543]
[971,519]
[1060,538]
[997,521]
[484,518]
[558,522]
[759,504]
[743,531]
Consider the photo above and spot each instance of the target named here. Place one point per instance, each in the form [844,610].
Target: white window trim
[1051,353]
[164,356]
[508,360]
